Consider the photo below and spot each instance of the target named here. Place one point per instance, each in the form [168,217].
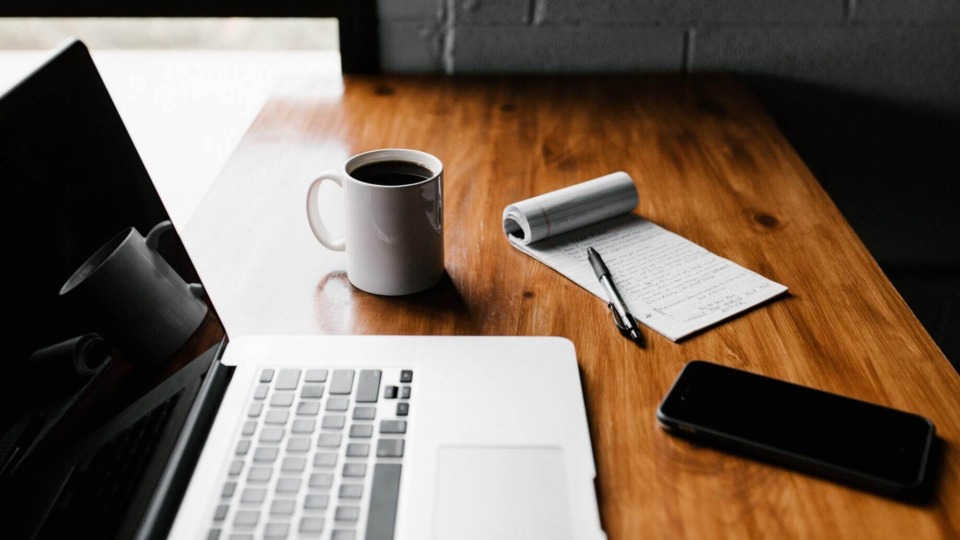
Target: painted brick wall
[907,51]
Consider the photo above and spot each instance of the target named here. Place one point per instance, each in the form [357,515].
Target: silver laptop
[346,437]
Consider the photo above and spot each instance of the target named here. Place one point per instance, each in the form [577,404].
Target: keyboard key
[389,448]
[228,489]
[265,454]
[255,409]
[358,450]
[259,474]
[351,491]
[243,447]
[329,440]
[266,375]
[383,501]
[282,507]
[333,421]
[406,376]
[253,495]
[319,480]
[249,428]
[393,426]
[303,425]
[271,435]
[308,408]
[312,391]
[361,431]
[347,513]
[246,518]
[364,413]
[343,534]
[214,534]
[342,381]
[368,386]
[405,392]
[338,403]
[293,464]
[288,379]
[389,392]
[325,459]
[316,375]
[276,417]
[261,391]
[282,399]
[403,409]
[354,470]
[276,530]
[311,525]
[235,467]
[220,513]
[288,485]
[239,536]
[298,444]
[316,502]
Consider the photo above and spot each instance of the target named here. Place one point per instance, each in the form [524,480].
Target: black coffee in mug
[391,173]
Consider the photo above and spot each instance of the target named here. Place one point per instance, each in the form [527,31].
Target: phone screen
[817,430]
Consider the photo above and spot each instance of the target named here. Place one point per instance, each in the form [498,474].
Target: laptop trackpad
[493,492]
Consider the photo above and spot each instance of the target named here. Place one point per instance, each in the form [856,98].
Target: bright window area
[172,33]
[186,88]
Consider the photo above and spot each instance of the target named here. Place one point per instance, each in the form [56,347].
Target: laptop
[120,420]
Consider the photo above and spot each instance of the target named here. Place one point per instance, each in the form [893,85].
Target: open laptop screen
[103,304]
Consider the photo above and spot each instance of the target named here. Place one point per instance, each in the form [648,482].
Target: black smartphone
[870,446]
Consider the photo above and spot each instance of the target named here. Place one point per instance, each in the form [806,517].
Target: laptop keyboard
[318,455]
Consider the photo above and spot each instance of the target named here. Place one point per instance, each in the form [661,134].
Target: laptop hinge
[179,469]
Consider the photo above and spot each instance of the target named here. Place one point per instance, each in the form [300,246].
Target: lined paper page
[670,284]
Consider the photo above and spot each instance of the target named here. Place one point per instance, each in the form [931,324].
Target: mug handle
[153,237]
[313,212]
[196,289]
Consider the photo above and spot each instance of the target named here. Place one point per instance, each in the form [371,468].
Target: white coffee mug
[133,298]
[393,233]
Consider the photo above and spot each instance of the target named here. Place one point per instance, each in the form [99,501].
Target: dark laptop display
[111,339]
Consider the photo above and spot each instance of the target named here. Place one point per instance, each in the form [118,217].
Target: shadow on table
[344,309]
[894,173]
[444,297]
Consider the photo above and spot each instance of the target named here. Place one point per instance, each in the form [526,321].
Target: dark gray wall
[903,50]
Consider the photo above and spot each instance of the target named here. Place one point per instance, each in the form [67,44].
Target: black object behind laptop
[99,458]
[867,445]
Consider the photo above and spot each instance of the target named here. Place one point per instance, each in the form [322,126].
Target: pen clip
[622,325]
[617,320]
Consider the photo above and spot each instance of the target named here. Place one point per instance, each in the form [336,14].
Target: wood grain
[709,164]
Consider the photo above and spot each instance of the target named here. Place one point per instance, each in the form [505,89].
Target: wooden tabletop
[709,165]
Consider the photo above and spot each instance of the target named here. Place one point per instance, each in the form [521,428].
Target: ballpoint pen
[621,316]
